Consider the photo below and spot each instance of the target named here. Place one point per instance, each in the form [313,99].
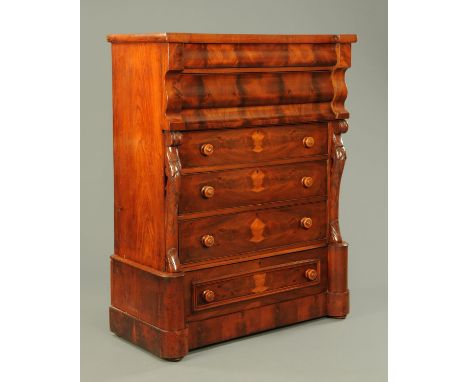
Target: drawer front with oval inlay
[233,234]
[222,189]
[262,282]
[227,147]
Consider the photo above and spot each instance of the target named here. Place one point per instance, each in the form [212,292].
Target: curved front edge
[170,345]
[201,94]
[338,294]
[147,308]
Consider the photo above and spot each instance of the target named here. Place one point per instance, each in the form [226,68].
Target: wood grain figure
[228,158]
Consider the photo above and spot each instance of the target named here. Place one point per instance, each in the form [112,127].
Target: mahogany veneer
[227,164]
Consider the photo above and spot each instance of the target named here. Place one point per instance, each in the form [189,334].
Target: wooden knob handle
[308,142]
[306,223]
[208,295]
[207,240]
[311,274]
[207,191]
[307,181]
[207,149]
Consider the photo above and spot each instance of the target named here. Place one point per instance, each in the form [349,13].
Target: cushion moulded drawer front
[258,55]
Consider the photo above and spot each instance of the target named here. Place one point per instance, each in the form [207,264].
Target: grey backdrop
[354,349]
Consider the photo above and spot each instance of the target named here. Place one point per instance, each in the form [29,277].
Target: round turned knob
[207,149]
[208,191]
[307,181]
[208,295]
[207,240]
[311,274]
[308,142]
[306,223]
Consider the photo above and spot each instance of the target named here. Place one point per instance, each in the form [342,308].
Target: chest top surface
[231,38]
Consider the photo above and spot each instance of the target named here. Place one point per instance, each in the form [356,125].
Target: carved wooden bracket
[172,192]
[338,159]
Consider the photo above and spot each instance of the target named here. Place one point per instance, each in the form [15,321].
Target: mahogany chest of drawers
[227,162]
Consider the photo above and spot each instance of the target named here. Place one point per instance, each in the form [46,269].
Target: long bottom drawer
[225,289]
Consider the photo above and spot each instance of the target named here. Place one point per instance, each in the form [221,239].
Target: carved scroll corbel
[338,159]
[337,294]
[172,192]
